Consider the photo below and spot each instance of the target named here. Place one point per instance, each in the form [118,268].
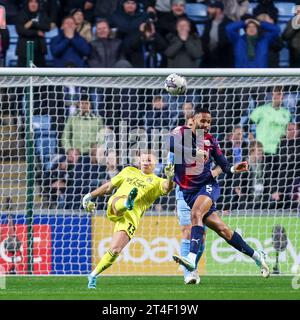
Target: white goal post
[65,131]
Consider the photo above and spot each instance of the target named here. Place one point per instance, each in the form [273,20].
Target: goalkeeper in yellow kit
[135,191]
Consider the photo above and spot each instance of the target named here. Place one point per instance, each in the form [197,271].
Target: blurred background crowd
[73,124]
[152,33]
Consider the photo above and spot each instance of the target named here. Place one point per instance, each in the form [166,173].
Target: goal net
[64,135]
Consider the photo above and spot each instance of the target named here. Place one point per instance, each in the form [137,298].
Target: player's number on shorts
[131,229]
[208,188]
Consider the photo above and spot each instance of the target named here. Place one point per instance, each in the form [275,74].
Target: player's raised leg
[214,222]
[123,203]
[118,243]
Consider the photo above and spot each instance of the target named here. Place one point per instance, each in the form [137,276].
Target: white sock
[256,256]
[192,256]
[94,273]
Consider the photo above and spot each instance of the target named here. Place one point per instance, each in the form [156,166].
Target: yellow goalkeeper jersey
[150,187]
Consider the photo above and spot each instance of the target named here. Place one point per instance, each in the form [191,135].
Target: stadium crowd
[72,162]
[151,33]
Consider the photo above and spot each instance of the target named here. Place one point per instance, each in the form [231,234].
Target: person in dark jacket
[12,8]
[167,23]
[106,52]
[69,48]
[31,26]
[87,6]
[216,45]
[268,7]
[275,46]
[127,20]
[4,44]
[143,48]
[252,49]
[185,49]
[291,34]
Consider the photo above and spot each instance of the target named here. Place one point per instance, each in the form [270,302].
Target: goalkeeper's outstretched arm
[90,206]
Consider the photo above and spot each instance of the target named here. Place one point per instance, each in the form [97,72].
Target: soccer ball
[175,84]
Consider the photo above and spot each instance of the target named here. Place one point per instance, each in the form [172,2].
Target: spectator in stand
[31,25]
[236,150]
[251,50]
[235,146]
[69,48]
[160,117]
[216,45]
[106,51]
[186,112]
[271,122]
[235,9]
[4,45]
[86,5]
[185,48]
[83,27]
[275,46]
[52,9]
[291,34]
[143,49]
[287,167]
[127,19]
[167,23]
[62,177]
[253,188]
[12,8]
[83,128]
[268,7]
[104,9]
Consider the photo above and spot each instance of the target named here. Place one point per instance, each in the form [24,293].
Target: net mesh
[78,145]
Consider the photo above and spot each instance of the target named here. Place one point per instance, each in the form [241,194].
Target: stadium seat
[49,35]
[284,58]
[11,57]
[285,10]
[252,5]
[12,32]
[196,11]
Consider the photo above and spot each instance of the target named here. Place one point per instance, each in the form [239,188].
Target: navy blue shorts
[210,190]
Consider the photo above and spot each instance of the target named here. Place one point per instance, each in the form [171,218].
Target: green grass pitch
[149,288]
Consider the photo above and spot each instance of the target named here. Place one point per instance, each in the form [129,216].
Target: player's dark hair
[201,110]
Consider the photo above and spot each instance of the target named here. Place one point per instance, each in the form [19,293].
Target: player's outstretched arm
[87,203]
[169,172]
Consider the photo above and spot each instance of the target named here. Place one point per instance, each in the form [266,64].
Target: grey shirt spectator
[216,45]
[106,52]
[185,49]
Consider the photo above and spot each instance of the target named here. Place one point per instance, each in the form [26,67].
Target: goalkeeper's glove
[202,154]
[87,204]
[169,171]
[240,167]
